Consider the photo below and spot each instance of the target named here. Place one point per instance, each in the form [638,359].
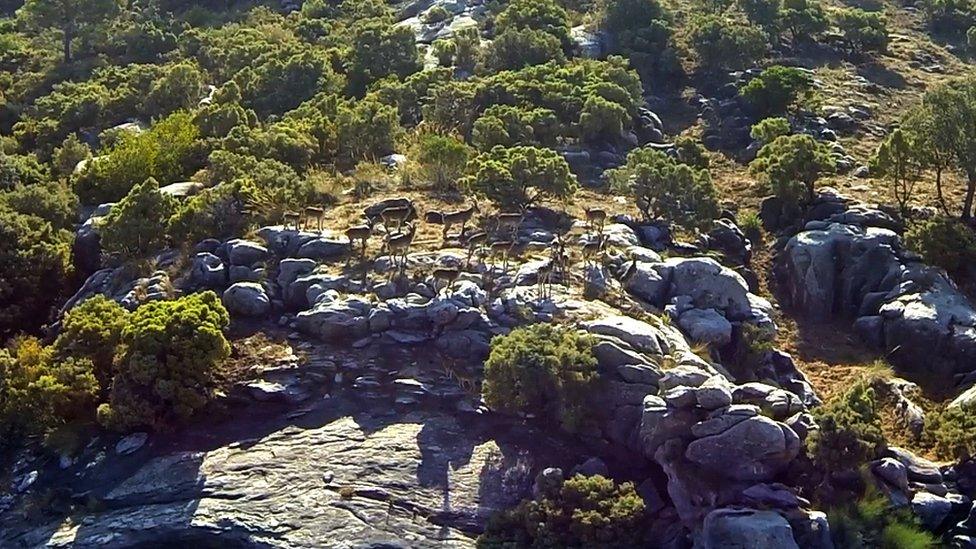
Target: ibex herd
[498,241]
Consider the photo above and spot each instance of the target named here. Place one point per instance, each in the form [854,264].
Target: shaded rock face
[715,439]
[345,463]
[746,528]
[848,267]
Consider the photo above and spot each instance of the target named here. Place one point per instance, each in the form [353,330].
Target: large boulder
[245,252]
[247,299]
[740,528]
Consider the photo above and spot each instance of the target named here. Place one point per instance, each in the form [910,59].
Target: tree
[792,164]
[665,189]
[897,160]
[863,31]
[691,152]
[949,118]
[804,19]
[930,148]
[765,14]
[775,90]
[723,43]
[543,369]
[170,353]
[74,18]
[642,32]
[53,202]
[136,226]
[518,177]
[517,48]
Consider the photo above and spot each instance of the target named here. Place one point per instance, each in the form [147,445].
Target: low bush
[585,512]
[944,242]
[543,369]
[952,432]
[850,431]
[171,351]
[136,226]
[776,90]
[93,330]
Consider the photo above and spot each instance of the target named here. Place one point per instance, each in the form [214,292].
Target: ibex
[595,219]
[361,233]
[460,217]
[394,214]
[398,245]
[592,248]
[314,212]
[508,222]
[447,275]
[544,278]
[501,248]
[474,241]
[293,219]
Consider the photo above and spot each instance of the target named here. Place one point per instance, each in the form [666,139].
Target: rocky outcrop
[849,267]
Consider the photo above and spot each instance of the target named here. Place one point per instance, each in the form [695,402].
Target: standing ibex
[361,233]
[316,213]
[544,278]
[595,219]
[447,275]
[508,223]
[501,248]
[293,219]
[592,248]
[450,219]
[474,241]
[397,245]
[395,215]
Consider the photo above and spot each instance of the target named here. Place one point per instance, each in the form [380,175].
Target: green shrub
[944,242]
[38,392]
[538,15]
[436,14]
[850,431]
[602,119]
[668,190]
[518,177]
[69,154]
[52,201]
[691,152]
[543,369]
[952,431]
[171,351]
[218,212]
[508,126]
[164,153]
[768,129]
[518,48]
[442,159]
[586,512]
[863,31]
[34,268]
[751,226]
[642,31]
[775,90]
[93,331]
[872,521]
[720,42]
[136,226]
[791,165]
